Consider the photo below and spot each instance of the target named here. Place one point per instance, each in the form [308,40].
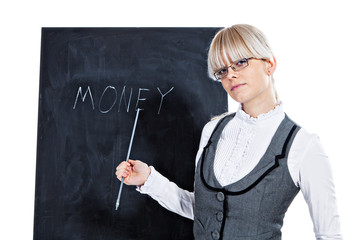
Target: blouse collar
[242,115]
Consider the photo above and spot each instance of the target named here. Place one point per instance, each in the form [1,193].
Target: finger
[132,162]
[123,172]
[122,165]
[121,175]
[120,170]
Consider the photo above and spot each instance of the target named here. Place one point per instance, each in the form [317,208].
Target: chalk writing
[112,93]
[162,97]
[84,96]
[141,99]
[124,97]
[102,95]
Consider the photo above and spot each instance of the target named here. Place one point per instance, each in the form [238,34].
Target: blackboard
[92,80]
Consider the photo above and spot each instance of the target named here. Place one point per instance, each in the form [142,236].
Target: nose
[231,73]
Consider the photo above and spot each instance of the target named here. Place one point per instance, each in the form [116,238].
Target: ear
[271,66]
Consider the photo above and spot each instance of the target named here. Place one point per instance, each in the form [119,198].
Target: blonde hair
[237,42]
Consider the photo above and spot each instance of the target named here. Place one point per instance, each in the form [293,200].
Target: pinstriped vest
[252,208]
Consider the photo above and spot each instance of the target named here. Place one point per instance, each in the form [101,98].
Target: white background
[316,44]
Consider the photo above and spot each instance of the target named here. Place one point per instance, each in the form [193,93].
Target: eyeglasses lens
[236,66]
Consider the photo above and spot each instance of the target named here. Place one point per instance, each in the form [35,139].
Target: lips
[237,86]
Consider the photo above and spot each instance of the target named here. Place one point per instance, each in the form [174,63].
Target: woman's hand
[134,172]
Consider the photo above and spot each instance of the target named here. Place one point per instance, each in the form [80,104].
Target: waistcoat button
[215,235]
[219,216]
[220,196]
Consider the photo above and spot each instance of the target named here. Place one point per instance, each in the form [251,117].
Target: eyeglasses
[235,66]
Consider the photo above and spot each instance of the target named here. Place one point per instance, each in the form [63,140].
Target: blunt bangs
[234,43]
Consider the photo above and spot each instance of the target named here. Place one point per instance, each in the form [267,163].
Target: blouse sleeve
[315,179]
[167,193]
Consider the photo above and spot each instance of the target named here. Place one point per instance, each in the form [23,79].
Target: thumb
[132,162]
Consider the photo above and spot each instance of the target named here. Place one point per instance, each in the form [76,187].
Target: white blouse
[243,142]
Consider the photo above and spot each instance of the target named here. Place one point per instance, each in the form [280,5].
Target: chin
[239,99]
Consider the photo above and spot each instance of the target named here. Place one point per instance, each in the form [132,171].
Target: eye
[221,71]
[240,63]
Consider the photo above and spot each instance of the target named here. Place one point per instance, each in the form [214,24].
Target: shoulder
[210,126]
[305,144]
[310,150]
[305,139]
[218,117]
[306,152]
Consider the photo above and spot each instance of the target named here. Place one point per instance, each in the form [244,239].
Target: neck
[255,108]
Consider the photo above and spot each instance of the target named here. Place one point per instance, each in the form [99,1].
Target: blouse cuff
[154,183]
[145,186]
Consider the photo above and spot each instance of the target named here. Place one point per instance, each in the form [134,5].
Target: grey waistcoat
[252,208]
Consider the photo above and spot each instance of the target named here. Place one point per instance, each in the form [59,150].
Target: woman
[251,164]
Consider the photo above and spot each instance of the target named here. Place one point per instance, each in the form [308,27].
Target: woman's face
[252,83]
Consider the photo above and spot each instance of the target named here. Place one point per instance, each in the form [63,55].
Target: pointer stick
[127,158]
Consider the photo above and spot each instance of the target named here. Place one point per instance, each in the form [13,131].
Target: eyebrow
[232,62]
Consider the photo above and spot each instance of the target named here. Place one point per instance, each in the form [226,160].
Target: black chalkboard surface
[92,80]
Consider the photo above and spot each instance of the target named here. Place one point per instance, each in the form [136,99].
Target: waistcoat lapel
[208,156]
[269,161]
